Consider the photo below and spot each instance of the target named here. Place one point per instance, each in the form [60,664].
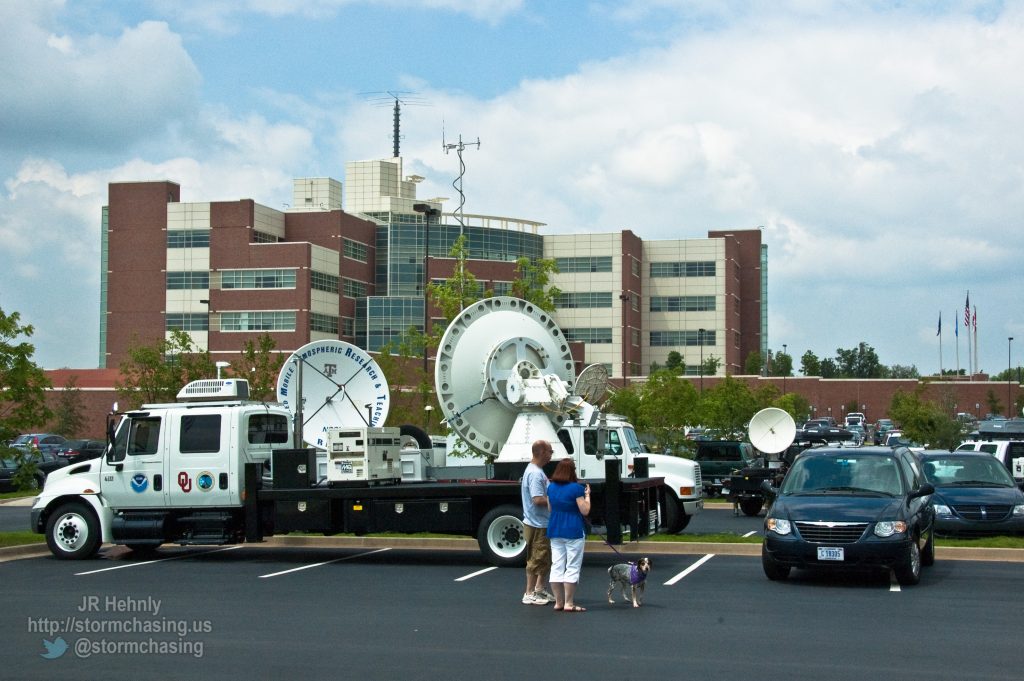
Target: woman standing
[569,502]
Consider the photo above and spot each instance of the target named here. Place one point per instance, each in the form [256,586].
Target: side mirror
[922,491]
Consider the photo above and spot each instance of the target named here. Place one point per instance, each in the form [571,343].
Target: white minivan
[1009,452]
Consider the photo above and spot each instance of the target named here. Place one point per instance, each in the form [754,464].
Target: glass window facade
[324,323]
[668,339]
[683,269]
[322,281]
[584,299]
[257,279]
[589,335]
[354,250]
[273,320]
[353,288]
[682,303]
[188,238]
[601,263]
[188,280]
[381,320]
[263,238]
[183,321]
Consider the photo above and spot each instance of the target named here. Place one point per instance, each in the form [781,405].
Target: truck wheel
[73,532]
[909,573]
[773,570]
[673,519]
[751,507]
[502,536]
[409,433]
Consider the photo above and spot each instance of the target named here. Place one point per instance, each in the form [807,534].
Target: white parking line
[326,562]
[690,569]
[158,560]
[475,574]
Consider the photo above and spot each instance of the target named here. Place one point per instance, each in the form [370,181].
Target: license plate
[830,553]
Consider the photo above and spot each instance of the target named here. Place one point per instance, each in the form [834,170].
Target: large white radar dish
[592,383]
[493,361]
[772,430]
[342,386]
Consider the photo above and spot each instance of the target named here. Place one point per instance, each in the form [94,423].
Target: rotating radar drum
[502,359]
[341,386]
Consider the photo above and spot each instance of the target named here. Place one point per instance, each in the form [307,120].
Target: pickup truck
[718,460]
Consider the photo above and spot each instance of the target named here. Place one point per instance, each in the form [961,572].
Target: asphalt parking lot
[257,612]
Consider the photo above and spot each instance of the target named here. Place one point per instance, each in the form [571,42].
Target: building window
[353,288]
[348,327]
[188,238]
[257,321]
[263,238]
[184,321]
[634,335]
[592,264]
[682,303]
[188,280]
[354,250]
[502,288]
[635,266]
[322,281]
[668,339]
[677,270]
[324,323]
[257,279]
[584,299]
[589,335]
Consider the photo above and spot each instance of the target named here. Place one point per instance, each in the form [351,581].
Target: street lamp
[1009,379]
[426,411]
[785,369]
[700,342]
[427,211]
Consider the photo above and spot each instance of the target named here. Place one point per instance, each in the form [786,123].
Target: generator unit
[364,455]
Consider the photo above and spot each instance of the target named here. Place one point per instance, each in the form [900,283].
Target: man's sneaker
[534,599]
[544,595]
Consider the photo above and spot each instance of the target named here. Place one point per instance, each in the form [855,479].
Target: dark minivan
[866,508]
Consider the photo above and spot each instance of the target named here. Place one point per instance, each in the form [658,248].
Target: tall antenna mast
[399,97]
[459,147]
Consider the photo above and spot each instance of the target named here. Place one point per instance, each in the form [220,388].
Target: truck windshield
[632,441]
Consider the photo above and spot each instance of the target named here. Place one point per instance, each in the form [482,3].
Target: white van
[1009,452]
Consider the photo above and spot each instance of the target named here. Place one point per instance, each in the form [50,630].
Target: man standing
[535,519]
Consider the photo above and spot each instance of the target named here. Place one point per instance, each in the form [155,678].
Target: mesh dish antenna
[502,375]
[772,430]
[592,384]
[340,386]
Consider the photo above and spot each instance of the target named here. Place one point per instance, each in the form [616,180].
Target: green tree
[924,421]
[68,418]
[782,364]
[900,371]
[992,400]
[260,365]
[752,365]
[797,405]
[626,402]
[828,368]
[666,403]
[859,362]
[533,282]
[810,365]
[155,373]
[674,362]
[711,366]
[727,407]
[22,383]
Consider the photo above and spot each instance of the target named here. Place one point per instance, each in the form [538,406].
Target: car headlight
[1018,509]
[943,511]
[779,526]
[888,528]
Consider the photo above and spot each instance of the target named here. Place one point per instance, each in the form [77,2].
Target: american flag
[967,311]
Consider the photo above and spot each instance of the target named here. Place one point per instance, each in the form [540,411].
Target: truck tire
[673,518]
[773,570]
[909,573]
[408,432]
[751,507]
[73,532]
[502,536]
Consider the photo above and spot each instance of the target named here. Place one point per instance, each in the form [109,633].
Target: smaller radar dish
[772,430]
[592,384]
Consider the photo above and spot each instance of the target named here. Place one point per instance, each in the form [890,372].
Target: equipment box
[294,468]
[364,455]
[420,515]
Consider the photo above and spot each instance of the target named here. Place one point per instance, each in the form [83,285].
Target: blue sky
[876,144]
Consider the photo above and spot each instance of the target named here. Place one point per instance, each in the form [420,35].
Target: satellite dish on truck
[772,430]
[522,359]
[339,385]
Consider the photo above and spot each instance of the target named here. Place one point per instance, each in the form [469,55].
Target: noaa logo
[204,481]
[139,483]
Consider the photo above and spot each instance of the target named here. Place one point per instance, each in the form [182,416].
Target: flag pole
[939,334]
[956,336]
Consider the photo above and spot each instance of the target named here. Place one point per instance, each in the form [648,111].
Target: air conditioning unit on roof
[212,389]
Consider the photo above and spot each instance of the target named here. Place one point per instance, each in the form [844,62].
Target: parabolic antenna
[592,384]
[772,430]
[503,362]
[341,385]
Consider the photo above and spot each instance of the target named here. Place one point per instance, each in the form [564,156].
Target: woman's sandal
[558,608]
[574,608]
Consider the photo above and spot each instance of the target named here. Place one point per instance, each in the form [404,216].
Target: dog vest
[635,576]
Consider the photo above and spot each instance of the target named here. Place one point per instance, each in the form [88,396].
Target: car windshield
[843,474]
[967,471]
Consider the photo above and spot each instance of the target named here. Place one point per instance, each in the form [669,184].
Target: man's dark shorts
[538,550]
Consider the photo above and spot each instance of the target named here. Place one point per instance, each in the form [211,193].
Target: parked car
[8,467]
[859,434]
[718,459]
[882,427]
[868,508]
[1009,452]
[974,495]
[74,451]
[41,441]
